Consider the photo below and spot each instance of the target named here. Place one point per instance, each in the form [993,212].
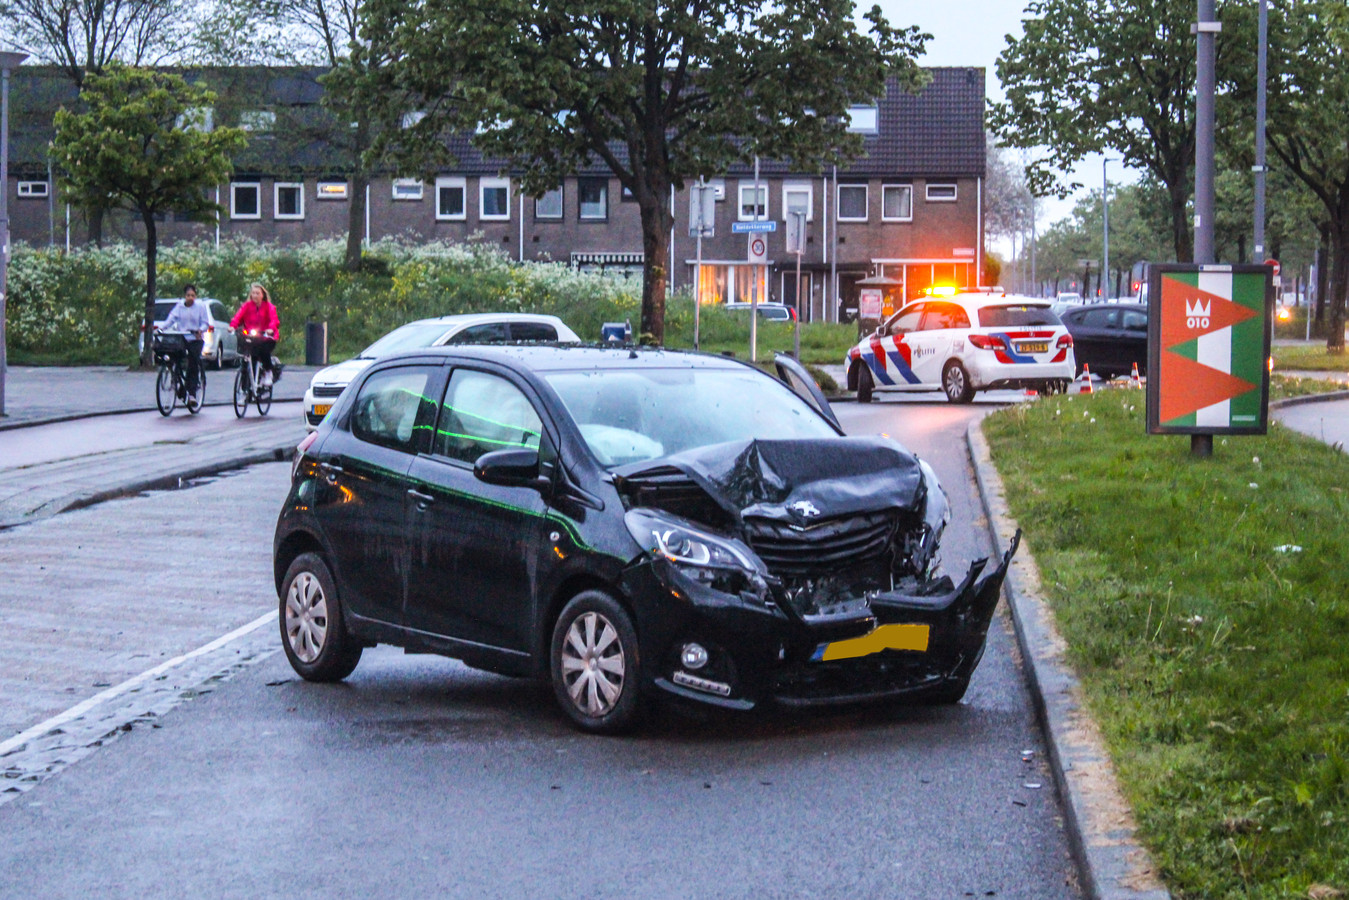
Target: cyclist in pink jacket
[262,327]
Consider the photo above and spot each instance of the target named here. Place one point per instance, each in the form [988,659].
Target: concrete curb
[1310,398]
[1111,863]
[57,420]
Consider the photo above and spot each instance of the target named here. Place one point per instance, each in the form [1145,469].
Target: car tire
[865,386]
[594,664]
[313,632]
[955,381]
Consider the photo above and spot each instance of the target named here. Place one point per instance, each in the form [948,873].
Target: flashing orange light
[1285,314]
[941,290]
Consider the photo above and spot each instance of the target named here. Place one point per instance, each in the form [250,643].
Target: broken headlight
[722,563]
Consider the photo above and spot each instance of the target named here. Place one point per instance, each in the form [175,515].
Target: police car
[960,342]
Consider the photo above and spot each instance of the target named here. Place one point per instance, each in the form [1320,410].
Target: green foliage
[80,307]
[137,147]
[684,90]
[1095,75]
[1213,659]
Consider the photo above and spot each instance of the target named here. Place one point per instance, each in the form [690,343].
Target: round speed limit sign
[758,249]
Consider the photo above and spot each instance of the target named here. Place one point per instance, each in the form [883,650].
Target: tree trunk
[1339,287]
[360,178]
[95,219]
[656,224]
[1181,237]
[1322,278]
[151,252]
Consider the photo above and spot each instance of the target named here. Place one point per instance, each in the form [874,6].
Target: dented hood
[798,481]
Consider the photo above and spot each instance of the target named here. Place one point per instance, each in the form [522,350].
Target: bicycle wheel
[166,393]
[241,391]
[195,403]
[264,400]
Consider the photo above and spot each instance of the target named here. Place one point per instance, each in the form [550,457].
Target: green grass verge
[1313,358]
[1217,664]
[1282,387]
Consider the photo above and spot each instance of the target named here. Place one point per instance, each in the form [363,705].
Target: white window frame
[34,189]
[256,188]
[407,185]
[452,181]
[955,192]
[866,201]
[898,187]
[258,121]
[581,215]
[799,187]
[486,184]
[870,119]
[331,189]
[561,206]
[748,187]
[298,187]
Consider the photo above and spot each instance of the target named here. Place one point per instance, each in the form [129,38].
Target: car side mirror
[880,331]
[511,468]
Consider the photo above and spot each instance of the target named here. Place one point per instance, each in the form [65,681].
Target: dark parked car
[1110,337]
[626,523]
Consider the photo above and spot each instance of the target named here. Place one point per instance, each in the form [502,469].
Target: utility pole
[754,280]
[1261,74]
[1206,31]
[7,61]
[1034,279]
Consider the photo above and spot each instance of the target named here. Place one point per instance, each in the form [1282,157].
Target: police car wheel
[864,384]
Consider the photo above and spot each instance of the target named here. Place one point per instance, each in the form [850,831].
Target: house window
[450,199]
[33,189]
[852,202]
[863,120]
[941,193]
[494,198]
[407,189]
[594,198]
[748,208]
[549,206]
[197,118]
[288,200]
[332,190]
[246,200]
[897,203]
[260,121]
[797,197]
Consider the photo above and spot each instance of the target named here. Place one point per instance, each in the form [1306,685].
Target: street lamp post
[1261,70]
[1206,33]
[7,61]
[1105,230]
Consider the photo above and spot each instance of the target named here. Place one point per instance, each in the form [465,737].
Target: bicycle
[170,352]
[247,384]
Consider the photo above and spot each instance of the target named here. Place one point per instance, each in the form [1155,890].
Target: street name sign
[754,227]
[1208,348]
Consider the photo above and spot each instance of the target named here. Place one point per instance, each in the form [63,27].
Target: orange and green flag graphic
[1208,346]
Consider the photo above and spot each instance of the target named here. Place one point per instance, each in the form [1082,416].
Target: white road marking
[130,684]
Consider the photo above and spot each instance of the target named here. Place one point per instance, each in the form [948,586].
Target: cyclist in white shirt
[190,316]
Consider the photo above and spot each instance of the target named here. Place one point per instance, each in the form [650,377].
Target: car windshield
[413,336]
[636,415]
[1016,316]
[163,308]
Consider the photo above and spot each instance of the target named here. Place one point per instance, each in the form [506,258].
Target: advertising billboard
[1208,348]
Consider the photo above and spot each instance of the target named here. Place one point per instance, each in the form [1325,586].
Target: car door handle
[423,500]
[331,470]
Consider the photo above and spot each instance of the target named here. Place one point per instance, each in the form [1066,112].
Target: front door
[931,345]
[476,547]
[360,502]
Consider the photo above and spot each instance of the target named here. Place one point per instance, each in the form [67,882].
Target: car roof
[478,318]
[577,357]
[972,300]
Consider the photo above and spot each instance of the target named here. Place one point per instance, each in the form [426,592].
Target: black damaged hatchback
[629,524]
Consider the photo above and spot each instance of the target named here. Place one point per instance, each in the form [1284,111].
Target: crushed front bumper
[894,644]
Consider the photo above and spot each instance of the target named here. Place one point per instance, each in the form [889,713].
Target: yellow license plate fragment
[321,409]
[1035,347]
[884,637]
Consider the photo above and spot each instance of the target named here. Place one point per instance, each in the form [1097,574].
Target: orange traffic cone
[1031,393]
[1134,380]
[1084,386]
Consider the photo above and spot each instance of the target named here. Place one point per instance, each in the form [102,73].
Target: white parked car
[965,343]
[473,328]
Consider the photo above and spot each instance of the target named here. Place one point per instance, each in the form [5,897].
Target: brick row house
[910,208]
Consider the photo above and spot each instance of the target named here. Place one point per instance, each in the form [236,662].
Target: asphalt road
[419,775]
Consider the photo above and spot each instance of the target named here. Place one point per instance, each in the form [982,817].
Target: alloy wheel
[593,664]
[306,617]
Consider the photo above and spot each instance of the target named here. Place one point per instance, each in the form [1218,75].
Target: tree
[1008,205]
[136,148]
[659,92]
[1308,106]
[1089,76]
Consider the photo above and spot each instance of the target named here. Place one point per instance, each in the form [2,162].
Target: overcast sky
[973,33]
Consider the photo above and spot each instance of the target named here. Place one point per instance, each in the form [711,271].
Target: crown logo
[1199,309]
